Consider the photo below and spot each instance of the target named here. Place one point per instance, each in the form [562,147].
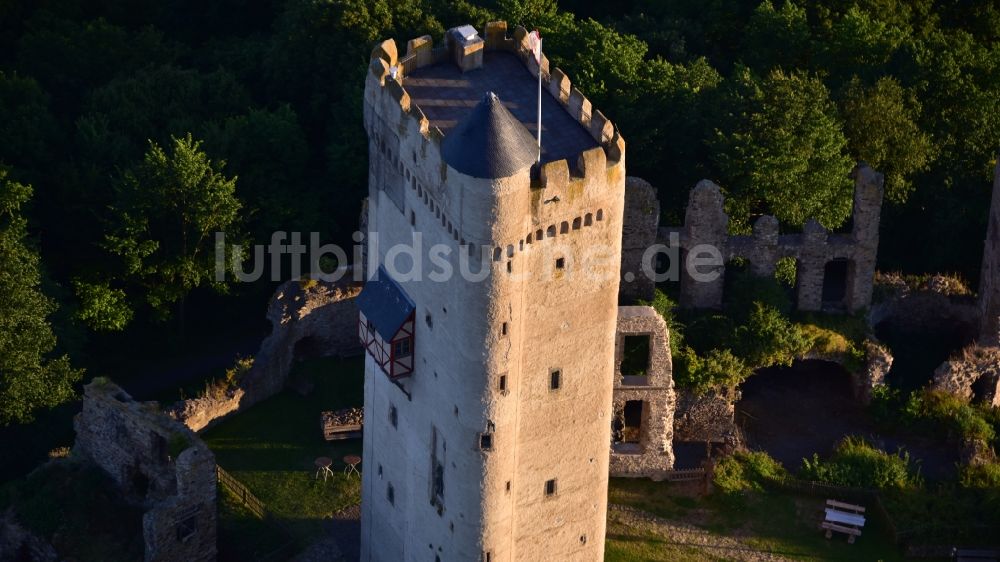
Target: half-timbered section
[385,324]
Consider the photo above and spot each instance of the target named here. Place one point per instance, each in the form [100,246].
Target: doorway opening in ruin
[632,430]
[836,274]
[984,390]
[793,412]
[786,273]
[138,482]
[635,359]
[308,347]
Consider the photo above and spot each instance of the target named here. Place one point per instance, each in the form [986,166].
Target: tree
[30,379]
[27,129]
[268,151]
[777,37]
[166,212]
[781,148]
[881,127]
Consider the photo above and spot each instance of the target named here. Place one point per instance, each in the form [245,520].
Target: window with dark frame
[550,487]
[402,348]
[485,441]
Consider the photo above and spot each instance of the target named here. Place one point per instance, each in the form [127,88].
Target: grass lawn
[779,522]
[271,448]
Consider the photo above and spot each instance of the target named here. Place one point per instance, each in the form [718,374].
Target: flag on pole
[535,43]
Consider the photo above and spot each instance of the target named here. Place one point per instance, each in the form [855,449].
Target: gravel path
[682,534]
[342,540]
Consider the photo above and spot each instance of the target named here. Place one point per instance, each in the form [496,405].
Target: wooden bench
[843,518]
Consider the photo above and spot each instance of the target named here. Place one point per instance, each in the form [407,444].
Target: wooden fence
[241,492]
[685,474]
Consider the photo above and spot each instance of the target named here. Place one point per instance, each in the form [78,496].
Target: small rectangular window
[508,486]
[503,329]
[503,383]
[510,266]
[402,348]
[413,218]
[555,380]
[560,263]
[390,494]
[550,487]
[393,416]
[486,441]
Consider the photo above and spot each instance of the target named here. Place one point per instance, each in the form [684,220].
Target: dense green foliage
[774,100]
[937,413]
[750,470]
[30,376]
[754,330]
[858,464]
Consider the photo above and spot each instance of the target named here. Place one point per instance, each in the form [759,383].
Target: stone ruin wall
[976,367]
[639,227]
[308,319]
[654,454]
[706,223]
[708,417]
[133,442]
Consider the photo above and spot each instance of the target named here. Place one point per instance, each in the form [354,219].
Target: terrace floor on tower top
[446,94]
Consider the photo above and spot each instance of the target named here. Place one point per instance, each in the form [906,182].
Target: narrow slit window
[390,494]
[550,487]
[555,380]
[503,383]
[503,329]
[393,415]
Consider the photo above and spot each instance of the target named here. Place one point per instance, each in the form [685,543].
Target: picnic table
[843,518]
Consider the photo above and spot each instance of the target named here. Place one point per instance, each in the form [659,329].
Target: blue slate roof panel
[385,304]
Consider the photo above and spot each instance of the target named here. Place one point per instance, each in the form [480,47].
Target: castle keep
[488,401]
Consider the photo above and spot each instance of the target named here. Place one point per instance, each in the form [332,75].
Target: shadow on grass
[272,447]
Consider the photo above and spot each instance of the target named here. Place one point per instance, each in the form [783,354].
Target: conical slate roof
[489,142]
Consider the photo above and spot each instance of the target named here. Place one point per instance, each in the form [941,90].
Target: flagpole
[539,60]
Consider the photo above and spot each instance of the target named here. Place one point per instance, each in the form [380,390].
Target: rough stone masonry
[158,463]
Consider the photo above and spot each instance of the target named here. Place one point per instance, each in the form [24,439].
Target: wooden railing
[241,492]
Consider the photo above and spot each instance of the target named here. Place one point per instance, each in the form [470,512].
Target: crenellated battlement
[389,71]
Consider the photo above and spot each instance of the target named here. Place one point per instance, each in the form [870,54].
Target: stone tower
[989,276]
[488,392]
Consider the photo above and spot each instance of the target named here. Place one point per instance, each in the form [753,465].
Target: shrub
[745,471]
[937,411]
[769,338]
[719,368]
[829,343]
[857,463]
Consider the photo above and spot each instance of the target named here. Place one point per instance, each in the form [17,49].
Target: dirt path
[683,534]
